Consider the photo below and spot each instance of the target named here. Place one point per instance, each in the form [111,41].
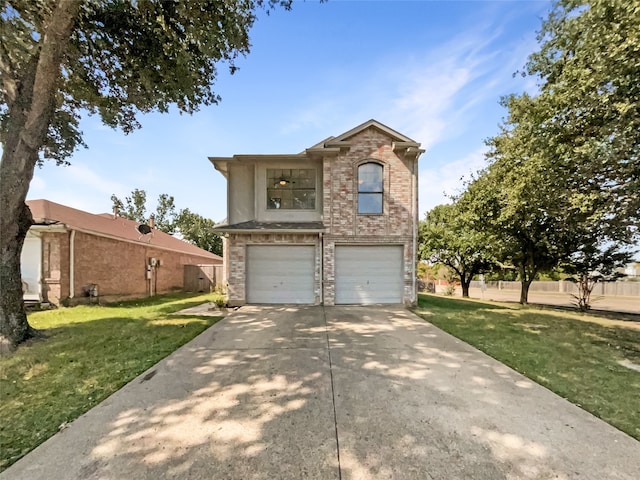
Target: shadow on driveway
[329,393]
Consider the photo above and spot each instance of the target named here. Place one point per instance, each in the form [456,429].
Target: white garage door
[280,274]
[369,274]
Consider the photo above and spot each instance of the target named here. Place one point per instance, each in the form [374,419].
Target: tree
[592,264]
[589,101]
[165,216]
[111,57]
[563,177]
[198,230]
[516,199]
[536,203]
[447,236]
[568,158]
[193,228]
[133,207]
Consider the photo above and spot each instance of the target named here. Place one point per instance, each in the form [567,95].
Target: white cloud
[439,93]
[76,186]
[436,183]
[88,179]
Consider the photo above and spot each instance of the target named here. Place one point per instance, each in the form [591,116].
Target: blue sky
[434,71]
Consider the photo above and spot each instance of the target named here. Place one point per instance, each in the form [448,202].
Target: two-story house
[335,224]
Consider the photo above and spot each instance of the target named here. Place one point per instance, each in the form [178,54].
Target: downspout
[414,181]
[321,241]
[72,243]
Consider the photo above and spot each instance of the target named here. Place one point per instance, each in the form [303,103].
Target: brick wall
[118,268]
[346,226]
[55,267]
[341,189]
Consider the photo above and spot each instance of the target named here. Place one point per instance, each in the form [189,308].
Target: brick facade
[395,226]
[55,267]
[118,268]
[340,158]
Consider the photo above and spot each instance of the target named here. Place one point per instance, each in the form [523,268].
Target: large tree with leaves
[541,211]
[447,236]
[565,168]
[519,198]
[116,58]
[588,108]
[133,207]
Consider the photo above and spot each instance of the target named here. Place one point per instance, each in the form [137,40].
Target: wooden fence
[202,278]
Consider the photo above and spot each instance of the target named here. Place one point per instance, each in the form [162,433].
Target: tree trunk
[31,105]
[465,287]
[524,291]
[14,327]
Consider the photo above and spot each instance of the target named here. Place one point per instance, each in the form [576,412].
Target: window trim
[380,193]
[291,189]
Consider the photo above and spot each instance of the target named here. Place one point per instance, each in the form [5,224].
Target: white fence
[626,289]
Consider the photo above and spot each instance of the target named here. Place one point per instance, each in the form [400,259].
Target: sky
[432,70]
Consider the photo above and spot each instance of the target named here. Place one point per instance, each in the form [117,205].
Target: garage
[280,274]
[369,274]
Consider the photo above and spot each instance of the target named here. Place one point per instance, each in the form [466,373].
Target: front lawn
[581,357]
[89,353]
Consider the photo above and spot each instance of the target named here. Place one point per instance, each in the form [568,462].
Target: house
[70,256]
[335,224]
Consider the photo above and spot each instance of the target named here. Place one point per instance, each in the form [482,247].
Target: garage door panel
[369,274]
[280,274]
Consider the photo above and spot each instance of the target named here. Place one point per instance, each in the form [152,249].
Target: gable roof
[46,212]
[328,144]
[397,136]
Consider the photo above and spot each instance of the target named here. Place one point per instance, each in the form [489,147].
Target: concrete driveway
[332,393]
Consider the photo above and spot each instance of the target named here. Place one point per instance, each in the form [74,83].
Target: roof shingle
[46,212]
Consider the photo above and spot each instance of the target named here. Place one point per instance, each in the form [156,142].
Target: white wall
[31,266]
[240,190]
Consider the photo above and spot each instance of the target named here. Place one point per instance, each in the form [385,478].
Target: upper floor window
[291,188]
[370,189]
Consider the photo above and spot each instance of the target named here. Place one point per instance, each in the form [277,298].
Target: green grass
[575,355]
[89,352]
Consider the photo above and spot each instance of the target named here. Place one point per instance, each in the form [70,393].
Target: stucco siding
[241,193]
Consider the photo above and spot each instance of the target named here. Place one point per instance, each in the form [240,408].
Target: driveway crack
[333,392]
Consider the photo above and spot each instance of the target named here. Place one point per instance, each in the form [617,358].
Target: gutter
[321,242]
[224,229]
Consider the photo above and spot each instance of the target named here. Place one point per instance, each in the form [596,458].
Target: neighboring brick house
[69,255]
[335,224]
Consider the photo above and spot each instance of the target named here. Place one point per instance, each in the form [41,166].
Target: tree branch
[54,43]
[9,84]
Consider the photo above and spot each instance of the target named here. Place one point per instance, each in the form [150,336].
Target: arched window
[370,190]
